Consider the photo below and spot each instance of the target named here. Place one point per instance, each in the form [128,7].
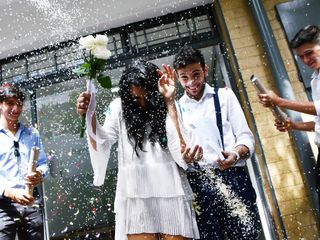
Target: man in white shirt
[307,46]
[227,143]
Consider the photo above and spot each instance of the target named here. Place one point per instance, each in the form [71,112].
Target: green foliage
[105,81]
[93,68]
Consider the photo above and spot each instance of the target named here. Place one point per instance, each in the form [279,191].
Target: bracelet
[237,155]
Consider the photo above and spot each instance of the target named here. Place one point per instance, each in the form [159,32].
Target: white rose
[87,42]
[101,52]
[101,40]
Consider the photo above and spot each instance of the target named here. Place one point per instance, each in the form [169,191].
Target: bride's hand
[194,155]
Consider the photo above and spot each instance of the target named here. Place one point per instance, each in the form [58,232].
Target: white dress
[153,194]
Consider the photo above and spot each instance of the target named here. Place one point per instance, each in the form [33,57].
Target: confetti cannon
[276,111]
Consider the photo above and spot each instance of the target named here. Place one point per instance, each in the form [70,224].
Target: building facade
[233,35]
[287,174]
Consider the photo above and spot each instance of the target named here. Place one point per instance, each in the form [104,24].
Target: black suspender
[218,114]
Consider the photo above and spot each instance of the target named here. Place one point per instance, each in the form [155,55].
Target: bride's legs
[143,236]
[171,237]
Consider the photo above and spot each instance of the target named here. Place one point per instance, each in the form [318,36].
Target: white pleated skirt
[173,216]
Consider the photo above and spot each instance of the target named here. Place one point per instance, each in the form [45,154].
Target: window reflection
[71,201]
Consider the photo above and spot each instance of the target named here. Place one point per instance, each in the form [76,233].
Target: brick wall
[287,178]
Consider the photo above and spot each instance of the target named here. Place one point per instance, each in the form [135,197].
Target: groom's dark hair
[188,55]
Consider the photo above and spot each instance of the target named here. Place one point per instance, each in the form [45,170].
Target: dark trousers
[216,220]
[17,219]
[318,175]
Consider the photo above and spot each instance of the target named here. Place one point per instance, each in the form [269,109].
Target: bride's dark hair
[144,75]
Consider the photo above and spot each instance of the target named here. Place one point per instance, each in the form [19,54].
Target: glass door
[72,203]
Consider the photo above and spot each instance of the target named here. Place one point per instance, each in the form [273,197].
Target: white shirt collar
[21,126]
[207,91]
[316,74]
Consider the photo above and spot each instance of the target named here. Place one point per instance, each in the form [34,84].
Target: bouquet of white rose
[94,65]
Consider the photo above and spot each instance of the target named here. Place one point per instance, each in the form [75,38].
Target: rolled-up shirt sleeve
[238,122]
[317,106]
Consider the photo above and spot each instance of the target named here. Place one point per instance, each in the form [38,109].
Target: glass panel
[114,43]
[202,24]
[183,28]
[141,41]
[69,58]
[25,117]
[162,33]
[115,46]
[72,203]
[13,69]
